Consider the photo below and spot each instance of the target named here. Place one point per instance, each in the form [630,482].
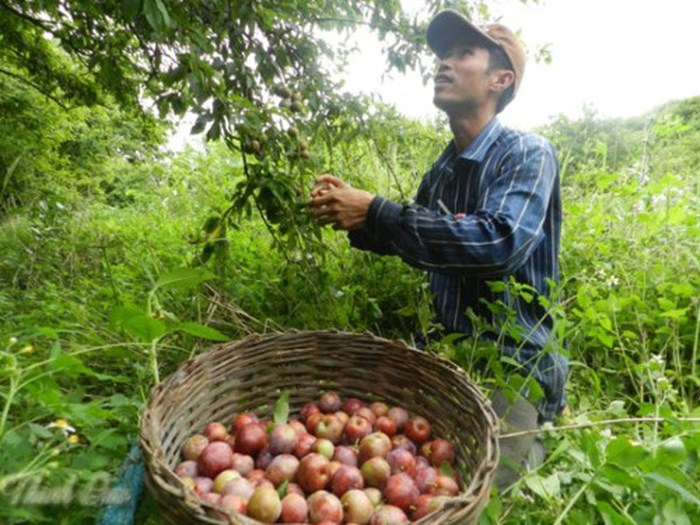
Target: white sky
[622,57]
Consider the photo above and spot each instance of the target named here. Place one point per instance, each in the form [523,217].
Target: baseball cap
[449,27]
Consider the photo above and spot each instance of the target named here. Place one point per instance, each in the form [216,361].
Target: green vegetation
[119,261]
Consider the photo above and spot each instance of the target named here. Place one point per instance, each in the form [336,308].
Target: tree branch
[35,86]
[603,423]
[34,21]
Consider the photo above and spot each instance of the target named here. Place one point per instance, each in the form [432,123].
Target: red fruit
[233,503]
[255,475]
[345,455]
[294,509]
[418,429]
[298,426]
[312,420]
[388,515]
[187,469]
[374,444]
[265,505]
[324,506]
[427,504]
[215,432]
[422,462]
[329,402]
[342,416]
[399,415]
[441,451]
[380,408]
[367,413]
[214,458]
[329,427]
[241,487]
[401,441]
[251,439]
[202,484]
[187,482]
[375,495]
[401,490]
[282,468]
[193,446]
[243,463]
[386,425]
[346,478]
[401,460]
[312,474]
[375,472]
[357,507]
[356,428]
[242,420]
[304,445]
[352,405]
[333,466]
[293,488]
[308,409]
[224,477]
[283,439]
[425,479]
[263,459]
[210,497]
[444,486]
[324,447]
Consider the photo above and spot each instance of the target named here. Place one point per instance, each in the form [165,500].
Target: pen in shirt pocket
[444,208]
[447,211]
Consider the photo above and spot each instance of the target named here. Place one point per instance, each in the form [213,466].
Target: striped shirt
[488,214]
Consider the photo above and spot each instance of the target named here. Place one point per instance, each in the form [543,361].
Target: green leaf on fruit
[281,412]
[446,469]
[282,489]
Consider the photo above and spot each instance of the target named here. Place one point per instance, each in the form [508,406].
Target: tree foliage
[258,75]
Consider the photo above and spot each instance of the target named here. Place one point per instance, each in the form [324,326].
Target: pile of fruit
[339,461]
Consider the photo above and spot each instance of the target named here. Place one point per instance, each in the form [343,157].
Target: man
[488,210]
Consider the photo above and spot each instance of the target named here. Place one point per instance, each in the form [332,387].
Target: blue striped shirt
[490,213]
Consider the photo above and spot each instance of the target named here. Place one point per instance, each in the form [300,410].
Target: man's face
[462,79]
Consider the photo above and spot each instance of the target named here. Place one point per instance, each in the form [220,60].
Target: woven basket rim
[474,495]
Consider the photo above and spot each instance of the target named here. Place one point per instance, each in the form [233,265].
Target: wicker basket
[250,374]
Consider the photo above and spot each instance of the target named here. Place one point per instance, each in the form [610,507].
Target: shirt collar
[476,151]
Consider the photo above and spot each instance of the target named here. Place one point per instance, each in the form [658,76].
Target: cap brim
[449,27]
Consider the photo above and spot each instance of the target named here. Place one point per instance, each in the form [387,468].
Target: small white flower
[612,281]
[606,433]
[13,341]
[63,425]
[657,359]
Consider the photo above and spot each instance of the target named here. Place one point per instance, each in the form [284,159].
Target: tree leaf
[199,330]
[131,8]
[670,484]
[281,412]
[183,278]
[153,14]
[144,328]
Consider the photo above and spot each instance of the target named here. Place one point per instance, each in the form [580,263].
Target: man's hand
[334,202]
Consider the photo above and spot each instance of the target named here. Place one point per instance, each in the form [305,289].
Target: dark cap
[449,27]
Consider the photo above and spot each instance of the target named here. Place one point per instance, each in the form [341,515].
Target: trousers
[518,453]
